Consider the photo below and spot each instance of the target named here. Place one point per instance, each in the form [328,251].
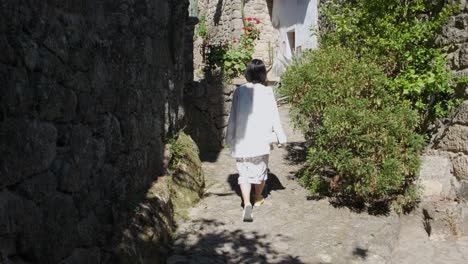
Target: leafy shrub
[399,36]
[361,139]
[232,57]
[177,151]
[201,30]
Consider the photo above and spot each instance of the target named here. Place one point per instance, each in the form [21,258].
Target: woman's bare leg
[259,190]
[245,189]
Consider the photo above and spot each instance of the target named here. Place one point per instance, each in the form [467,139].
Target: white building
[286,26]
[295,22]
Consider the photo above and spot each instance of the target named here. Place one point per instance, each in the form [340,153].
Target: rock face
[89,89]
[450,144]
[455,33]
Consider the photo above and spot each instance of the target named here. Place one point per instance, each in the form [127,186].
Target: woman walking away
[254,118]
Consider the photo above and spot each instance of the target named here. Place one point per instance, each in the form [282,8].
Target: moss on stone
[188,179]
[151,229]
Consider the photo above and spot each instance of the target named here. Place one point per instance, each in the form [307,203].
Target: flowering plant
[251,33]
[232,57]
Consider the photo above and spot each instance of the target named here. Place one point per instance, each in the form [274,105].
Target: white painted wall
[298,16]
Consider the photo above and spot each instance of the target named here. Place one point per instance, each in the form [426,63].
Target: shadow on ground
[297,155]
[272,184]
[226,246]
[296,152]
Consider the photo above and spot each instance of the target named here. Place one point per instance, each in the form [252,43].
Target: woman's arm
[277,127]
[231,127]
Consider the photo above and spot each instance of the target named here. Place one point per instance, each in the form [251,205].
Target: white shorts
[252,170]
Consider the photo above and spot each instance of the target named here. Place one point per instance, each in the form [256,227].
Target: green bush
[399,37]
[232,57]
[201,29]
[361,140]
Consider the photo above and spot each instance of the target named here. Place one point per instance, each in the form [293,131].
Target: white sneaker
[247,215]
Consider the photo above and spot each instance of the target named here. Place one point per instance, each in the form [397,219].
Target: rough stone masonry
[444,172]
[88,91]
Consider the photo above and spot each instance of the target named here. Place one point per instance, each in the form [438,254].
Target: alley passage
[288,228]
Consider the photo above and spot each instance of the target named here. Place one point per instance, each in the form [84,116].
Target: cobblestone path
[289,228]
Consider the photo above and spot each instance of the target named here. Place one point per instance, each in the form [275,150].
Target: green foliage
[362,143]
[232,57]
[177,152]
[408,201]
[201,30]
[399,36]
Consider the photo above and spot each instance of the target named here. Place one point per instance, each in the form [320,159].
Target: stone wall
[444,170]
[89,91]
[455,34]
[207,104]
[208,100]
[266,46]
[224,20]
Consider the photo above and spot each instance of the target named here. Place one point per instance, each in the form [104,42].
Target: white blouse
[254,117]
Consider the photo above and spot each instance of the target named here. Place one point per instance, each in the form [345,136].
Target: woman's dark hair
[256,71]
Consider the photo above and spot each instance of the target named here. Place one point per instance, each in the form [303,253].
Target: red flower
[249,19]
[243,28]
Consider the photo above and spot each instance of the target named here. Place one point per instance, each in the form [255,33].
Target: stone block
[436,178]
[56,103]
[16,94]
[454,35]
[39,187]
[227,108]
[10,210]
[228,89]
[455,139]
[75,172]
[108,128]
[28,147]
[7,245]
[49,64]
[461,21]
[463,59]
[7,54]
[460,166]
[461,116]
[21,220]
[90,231]
[84,255]
[464,219]
[464,193]
[60,228]
[56,40]
[30,50]
[454,60]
